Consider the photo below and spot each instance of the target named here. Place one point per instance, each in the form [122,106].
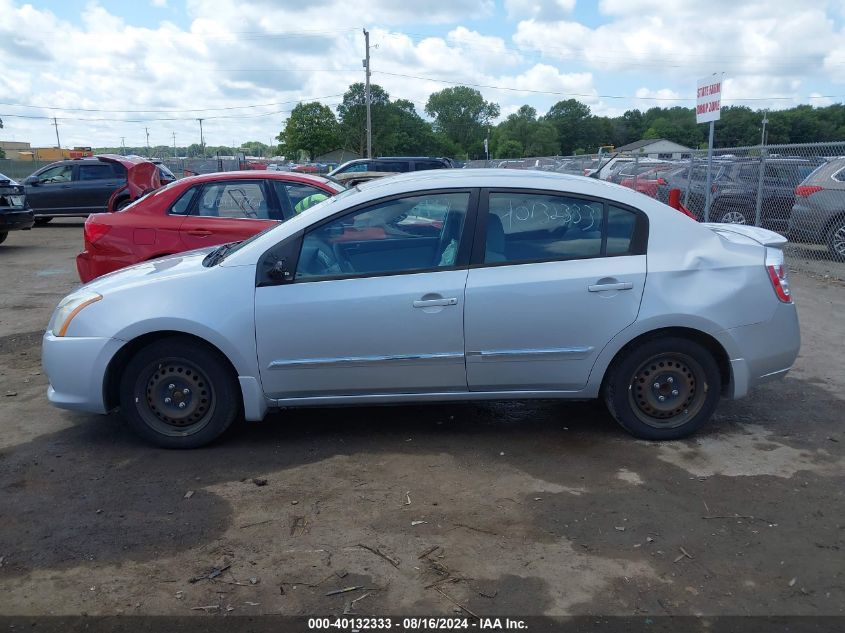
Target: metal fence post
[689,179]
[759,204]
[636,168]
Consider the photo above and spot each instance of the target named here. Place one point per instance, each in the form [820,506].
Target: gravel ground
[505,508]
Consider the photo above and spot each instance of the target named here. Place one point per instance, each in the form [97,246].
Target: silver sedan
[437,286]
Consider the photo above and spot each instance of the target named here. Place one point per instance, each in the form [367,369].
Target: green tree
[311,128]
[569,118]
[257,148]
[462,115]
[534,136]
[352,117]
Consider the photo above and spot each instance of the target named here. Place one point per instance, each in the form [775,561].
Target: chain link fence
[795,190]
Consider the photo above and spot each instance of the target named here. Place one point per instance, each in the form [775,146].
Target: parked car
[352,178]
[14,215]
[394,164]
[81,186]
[818,215]
[629,170]
[734,189]
[533,285]
[646,179]
[196,212]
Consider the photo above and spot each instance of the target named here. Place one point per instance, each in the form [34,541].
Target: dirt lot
[523,508]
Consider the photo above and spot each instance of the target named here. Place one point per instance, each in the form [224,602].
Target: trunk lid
[743,234]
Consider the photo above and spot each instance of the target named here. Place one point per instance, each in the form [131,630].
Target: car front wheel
[663,389]
[177,394]
[3,236]
[731,216]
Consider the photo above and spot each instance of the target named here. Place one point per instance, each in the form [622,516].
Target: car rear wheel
[42,221]
[121,204]
[3,236]
[663,389]
[836,240]
[177,394]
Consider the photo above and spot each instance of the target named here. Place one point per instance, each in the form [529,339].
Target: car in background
[81,186]
[449,285]
[14,215]
[394,164]
[352,178]
[818,214]
[629,170]
[734,186]
[196,212]
[646,179]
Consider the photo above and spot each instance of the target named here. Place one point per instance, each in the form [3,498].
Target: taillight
[714,188]
[776,268]
[94,231]
[662,181]
[805,191]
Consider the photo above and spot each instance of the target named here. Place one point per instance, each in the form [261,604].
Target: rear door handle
[430,303]
[199,232]
[622,285]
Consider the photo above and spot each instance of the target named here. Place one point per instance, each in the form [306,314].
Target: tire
[731,216]
[676,365]
[836,241]
[175,371]
[3,236]
[42,221]
[122,204]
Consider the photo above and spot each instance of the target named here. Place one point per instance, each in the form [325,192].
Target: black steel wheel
[664,388]
[178,394]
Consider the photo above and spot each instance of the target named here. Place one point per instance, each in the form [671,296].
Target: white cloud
[540,9]
[159,3]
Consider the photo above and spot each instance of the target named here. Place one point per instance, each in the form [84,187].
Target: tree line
[461,120]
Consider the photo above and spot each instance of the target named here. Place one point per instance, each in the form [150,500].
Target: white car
[436,286]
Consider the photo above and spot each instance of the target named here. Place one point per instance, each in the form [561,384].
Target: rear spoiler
[735,233]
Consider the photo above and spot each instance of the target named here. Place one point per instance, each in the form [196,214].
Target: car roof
[252,174]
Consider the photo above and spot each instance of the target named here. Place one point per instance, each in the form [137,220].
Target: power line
[590,95]
[257,105]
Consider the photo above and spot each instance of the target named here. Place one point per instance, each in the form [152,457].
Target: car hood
[181,265]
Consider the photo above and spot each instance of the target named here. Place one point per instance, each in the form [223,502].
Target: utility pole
[174,144]
[56,125]
[147,130]
[123,144]
[763,135]
[202,142]
[367,94]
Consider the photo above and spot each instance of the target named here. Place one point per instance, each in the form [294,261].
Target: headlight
[69,308]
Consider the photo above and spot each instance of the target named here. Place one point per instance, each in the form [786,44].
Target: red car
[647,181]
[193,213]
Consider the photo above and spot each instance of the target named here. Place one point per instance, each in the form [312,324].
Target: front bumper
[18,220]
[76,368]
[763,351]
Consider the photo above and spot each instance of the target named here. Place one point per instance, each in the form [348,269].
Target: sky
[111,72]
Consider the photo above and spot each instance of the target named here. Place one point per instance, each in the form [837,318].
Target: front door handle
[199,232]
[622,285]
[430,303]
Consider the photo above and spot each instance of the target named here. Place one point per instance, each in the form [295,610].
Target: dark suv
[73,188]
[818,215]
[13,212]
[734,189]
[395,164]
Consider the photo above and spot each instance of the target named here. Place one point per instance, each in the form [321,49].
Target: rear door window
[234,199]
[96,172]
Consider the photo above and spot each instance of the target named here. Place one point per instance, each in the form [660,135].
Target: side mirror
[33,180]
[280,271]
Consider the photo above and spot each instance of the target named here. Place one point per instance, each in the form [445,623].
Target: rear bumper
[763,351]
[16,220]
[76,368]
[89,265]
